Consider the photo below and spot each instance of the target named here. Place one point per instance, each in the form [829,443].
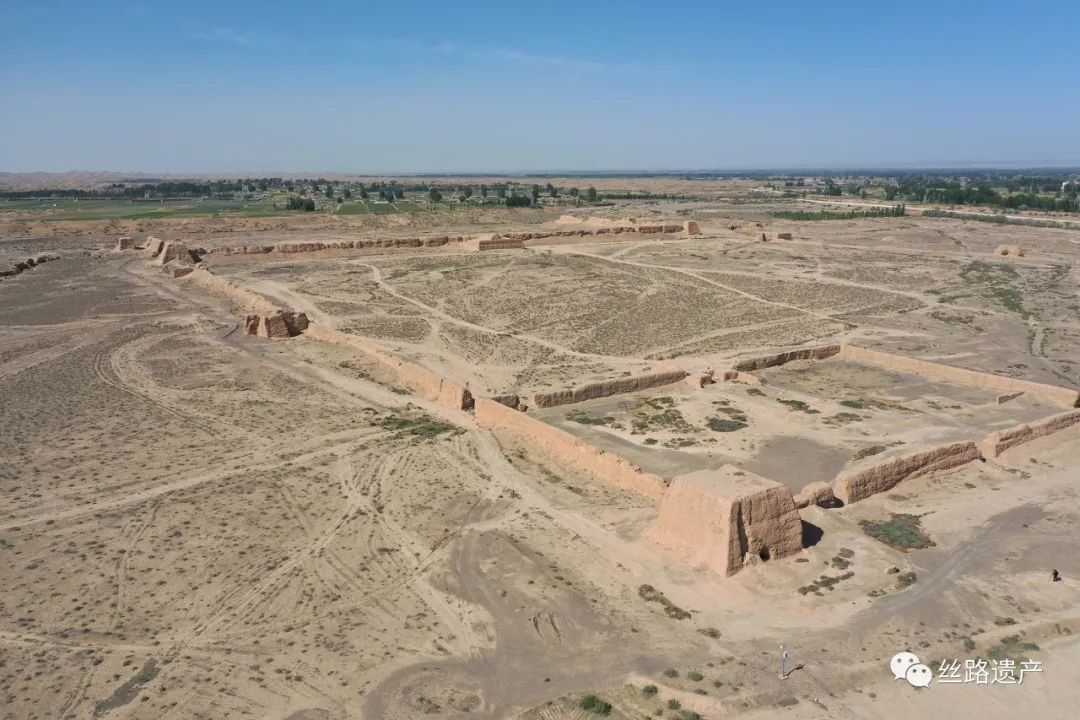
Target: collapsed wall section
[608,387]
[152,247]
[23,265]
[262,317]
[245,300]
[498,242]
[1062,396]
[281,324]
[999,441]
[860,483]
[567,449]
[422,381]
[726,519]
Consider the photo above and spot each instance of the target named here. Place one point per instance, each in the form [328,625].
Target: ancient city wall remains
[498,242]
[766,361]
[689,227]
[1062,396]
[898,363]
[567,449]
[999,441]
[21,266]
[152,247]
[420,380]
[263,318]
[287,248]
[860,483]
[725,519]
[244,300]
[501,241]
[608,387]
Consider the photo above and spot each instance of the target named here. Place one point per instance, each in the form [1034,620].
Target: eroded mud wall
[608,387]
[567,449]
[999,441]
[723,521]
[961,376]
[871,478]
[245,300]
[422,381]
[766,361]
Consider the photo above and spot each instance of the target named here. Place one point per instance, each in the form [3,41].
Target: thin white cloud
[241,38]
[482,52]
[551,61]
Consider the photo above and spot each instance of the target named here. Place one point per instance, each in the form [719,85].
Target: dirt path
[377,276]
[697,276]
[137,496]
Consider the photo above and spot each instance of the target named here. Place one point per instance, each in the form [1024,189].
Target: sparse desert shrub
[725,424]
[800,406]
[595,705]
[650,594]
[905,580]
[870,451]
[1012,648]
[902,531]
[650,690]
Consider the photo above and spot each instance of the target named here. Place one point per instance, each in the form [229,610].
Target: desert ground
[201,523]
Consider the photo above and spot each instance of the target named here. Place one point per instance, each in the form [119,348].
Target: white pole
[783,663]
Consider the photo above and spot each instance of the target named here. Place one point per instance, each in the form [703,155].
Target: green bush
[725,425]
[595,705]
[901,531]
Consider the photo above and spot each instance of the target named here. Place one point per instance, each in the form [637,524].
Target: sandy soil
[200,524]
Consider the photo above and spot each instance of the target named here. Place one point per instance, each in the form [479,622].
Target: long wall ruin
[767,361]
[608,387]
[566,448]
[21,266]
[879,476]
[422,381]
[999,441]
[860,483]
[721,519]
[1065,397]
[288,248]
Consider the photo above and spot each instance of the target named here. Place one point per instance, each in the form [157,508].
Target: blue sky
[548,85]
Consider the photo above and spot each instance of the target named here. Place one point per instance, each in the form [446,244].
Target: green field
[67,210]
[62,210]
[368,208]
